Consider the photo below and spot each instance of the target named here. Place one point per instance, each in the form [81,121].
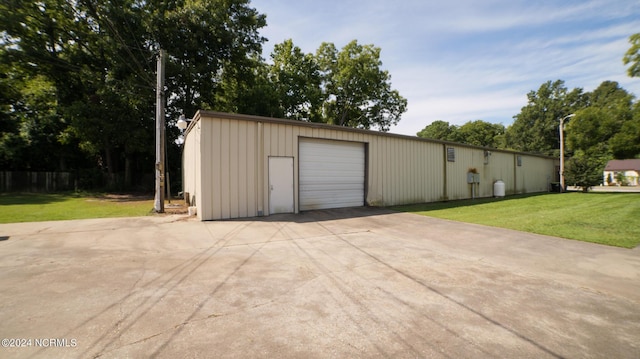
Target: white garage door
[331,174]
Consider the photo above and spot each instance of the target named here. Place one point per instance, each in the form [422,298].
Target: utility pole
[561,129]
[160,135]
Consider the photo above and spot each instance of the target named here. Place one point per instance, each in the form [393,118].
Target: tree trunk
[110,169]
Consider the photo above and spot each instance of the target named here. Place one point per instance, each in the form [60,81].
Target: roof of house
[623,165]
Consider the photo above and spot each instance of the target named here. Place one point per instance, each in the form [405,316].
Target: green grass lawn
[606,218]
[35,207]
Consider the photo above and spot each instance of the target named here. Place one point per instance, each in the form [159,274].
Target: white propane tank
[498,189]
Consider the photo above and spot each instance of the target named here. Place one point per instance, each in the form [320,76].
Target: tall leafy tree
[100,59]
[207,40]
[357,92]
[29,135]
[626,143]
[477,133]
[535,128]
[112,115]
[481,133]
[250,93]
[609,107]
[40,55]
[632,56]
[296,81]
[593,135]
[439,130]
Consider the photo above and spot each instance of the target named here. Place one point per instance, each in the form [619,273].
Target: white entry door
[281,185]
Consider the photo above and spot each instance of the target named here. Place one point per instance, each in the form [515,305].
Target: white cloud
[462,60]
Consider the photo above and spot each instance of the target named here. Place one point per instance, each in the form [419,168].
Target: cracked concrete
[343,283]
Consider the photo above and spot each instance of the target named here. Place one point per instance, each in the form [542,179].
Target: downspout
[260,159]
[515,173]
[445,196]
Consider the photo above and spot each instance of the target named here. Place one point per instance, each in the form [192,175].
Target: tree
[296,81]
[99,58]
[207,41]
[357,92]
[439,130]
[41,43]
[29,136]
[593,129]
[251,93]
[585,171]
[633,56]
[535,128]
[477,133]
[481,133]
[626,143]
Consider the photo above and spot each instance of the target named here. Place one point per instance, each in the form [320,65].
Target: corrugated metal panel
[225,159]
[374,178]
[233,176]
[206,206]
[331,174]
[500,166]
[464,159]
[191,164]
[229,169]
[536,174]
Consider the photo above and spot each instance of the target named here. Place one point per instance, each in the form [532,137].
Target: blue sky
[465,60]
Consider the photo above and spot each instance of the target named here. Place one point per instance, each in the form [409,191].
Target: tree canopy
[295,78]
[77,87]
[81,75]
[357,93]
[439,130]
[535,128]
[606,126]
[344,87]
[632,57]
[477,133]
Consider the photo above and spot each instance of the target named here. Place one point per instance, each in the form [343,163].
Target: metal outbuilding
[238,166]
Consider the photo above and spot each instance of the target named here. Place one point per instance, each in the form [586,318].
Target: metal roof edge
[241,117]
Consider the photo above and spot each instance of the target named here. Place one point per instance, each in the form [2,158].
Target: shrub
[584,172]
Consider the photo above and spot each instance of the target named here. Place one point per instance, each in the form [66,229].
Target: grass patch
[605,218]
[36,207]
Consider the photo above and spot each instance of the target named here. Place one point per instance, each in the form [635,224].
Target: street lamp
[561,129]
[182,125]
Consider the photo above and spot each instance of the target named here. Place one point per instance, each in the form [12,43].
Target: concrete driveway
[343,283]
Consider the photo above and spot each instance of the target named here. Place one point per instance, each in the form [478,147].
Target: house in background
[622,172]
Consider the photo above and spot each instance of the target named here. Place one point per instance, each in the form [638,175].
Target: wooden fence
[14,181]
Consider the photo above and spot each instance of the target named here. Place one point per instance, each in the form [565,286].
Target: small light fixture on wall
[487,154]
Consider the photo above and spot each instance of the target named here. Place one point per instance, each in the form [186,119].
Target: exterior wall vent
[451,154]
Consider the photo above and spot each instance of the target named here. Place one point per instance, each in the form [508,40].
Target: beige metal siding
[401,171]
[490,165]
[535,174]
[229,169]
[501,167]
[226,165]
[191,175]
